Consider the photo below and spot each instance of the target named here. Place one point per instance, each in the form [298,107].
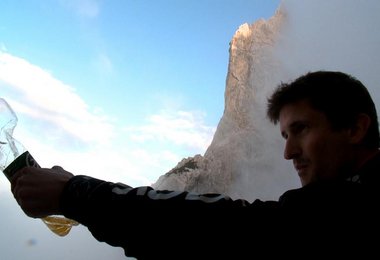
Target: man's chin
[305,179]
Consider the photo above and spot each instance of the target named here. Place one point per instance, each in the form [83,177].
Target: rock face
[244,159]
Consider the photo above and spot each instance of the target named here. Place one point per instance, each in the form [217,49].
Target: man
[330,126]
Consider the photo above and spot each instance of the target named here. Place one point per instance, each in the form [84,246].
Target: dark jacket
[338,217]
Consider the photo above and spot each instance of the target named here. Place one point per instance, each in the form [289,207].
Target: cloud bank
[60,127]
[332,35]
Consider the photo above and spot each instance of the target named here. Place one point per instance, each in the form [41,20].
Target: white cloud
[332,35]
[103,64]
[43,97]
[85,8]
[182,128]
[63,130]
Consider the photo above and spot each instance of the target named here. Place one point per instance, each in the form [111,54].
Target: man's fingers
[32,208]
[16,178]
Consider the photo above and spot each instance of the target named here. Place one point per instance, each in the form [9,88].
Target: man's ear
[360,129]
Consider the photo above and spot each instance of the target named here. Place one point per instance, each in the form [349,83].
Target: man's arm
[143,221]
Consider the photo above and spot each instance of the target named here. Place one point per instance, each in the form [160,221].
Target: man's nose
[292,149]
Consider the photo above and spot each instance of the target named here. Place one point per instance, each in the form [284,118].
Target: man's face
[318,152]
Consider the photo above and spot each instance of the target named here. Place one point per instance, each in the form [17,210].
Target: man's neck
[364,156]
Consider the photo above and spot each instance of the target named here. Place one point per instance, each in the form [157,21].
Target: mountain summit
[240,159]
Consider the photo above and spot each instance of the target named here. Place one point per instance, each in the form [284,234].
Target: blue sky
[135,84]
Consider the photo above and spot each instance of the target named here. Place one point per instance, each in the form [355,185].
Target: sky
[119,90]
[131,86]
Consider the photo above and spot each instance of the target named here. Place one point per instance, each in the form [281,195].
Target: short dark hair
[340,96]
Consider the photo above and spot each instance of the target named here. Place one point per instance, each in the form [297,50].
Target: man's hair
[341,97]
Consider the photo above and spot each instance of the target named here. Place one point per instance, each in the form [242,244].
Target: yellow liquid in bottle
[59,225]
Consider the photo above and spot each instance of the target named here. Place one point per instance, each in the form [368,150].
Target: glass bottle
[14,156]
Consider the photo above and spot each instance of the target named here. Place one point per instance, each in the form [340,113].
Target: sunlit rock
[244,159]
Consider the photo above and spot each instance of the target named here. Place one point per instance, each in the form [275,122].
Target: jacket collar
[369,172]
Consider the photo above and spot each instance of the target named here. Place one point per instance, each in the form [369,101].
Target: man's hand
[38,190]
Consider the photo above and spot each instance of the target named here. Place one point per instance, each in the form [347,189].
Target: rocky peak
[239,160]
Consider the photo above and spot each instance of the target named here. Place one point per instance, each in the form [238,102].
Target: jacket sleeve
[144,221]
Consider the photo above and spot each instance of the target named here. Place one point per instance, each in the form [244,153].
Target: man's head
[323,115]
